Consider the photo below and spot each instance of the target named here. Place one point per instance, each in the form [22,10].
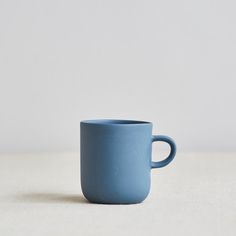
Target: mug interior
[115,122]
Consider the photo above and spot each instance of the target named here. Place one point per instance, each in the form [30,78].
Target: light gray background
[170,62]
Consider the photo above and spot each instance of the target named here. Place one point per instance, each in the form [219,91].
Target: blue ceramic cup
[116,160]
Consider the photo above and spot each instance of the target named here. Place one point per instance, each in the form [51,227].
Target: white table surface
[40,195]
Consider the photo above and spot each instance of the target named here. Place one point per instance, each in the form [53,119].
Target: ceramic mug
[116,160]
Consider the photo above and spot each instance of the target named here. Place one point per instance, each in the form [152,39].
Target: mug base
[115,201]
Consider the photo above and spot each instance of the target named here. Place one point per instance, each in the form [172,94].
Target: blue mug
[116,160]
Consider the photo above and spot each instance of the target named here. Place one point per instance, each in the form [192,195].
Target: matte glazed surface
[116,160]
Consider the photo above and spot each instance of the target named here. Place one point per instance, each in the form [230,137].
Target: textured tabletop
[40,195]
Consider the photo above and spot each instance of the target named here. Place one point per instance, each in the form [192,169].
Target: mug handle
[171,156]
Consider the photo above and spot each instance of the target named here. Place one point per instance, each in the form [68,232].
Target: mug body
[115,160]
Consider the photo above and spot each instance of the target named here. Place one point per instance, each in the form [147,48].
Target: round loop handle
[171,156]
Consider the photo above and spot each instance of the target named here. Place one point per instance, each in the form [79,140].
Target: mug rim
[119,122]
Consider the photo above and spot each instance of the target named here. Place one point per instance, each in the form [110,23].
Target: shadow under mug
[116,160]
